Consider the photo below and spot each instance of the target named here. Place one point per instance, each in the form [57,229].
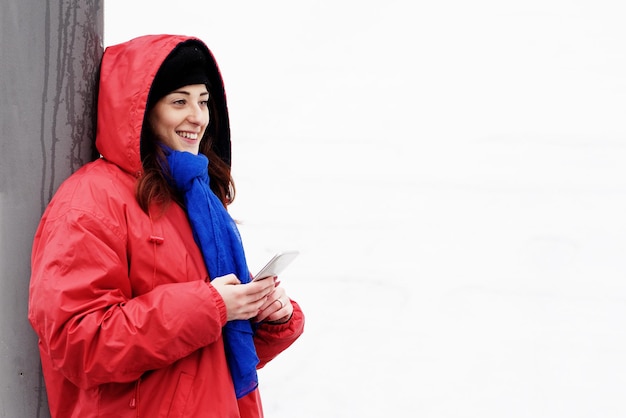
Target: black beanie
[187,64]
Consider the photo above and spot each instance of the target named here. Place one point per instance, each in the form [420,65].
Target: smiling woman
[140,290]
[177,108]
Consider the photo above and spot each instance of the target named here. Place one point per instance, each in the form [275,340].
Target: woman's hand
[243,301]
[278,308]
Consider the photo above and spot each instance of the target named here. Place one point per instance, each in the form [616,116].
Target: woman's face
[180,118]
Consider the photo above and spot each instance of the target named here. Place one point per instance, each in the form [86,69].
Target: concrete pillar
[49,56]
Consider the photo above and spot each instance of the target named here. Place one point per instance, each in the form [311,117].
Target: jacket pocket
[117,400]
[181,396]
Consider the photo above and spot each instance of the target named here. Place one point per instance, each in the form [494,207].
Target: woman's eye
[204,103]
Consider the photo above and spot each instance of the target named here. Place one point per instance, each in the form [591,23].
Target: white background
[453,174]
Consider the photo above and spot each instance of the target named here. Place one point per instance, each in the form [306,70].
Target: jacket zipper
[134,401]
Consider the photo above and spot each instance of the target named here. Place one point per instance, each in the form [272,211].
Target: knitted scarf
[217,235]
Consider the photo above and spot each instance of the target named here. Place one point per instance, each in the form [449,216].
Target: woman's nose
[198,115]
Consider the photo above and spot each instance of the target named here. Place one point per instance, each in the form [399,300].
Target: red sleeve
[271,340]
[88,322]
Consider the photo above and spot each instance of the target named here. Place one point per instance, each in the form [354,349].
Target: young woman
[140,293]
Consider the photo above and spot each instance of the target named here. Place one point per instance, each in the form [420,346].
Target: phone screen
[276,265]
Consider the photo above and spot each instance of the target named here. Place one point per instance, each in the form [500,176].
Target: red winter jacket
[127,325]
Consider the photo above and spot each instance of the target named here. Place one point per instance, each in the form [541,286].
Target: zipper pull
[133,401]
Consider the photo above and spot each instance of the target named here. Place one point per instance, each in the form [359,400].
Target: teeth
[188,135]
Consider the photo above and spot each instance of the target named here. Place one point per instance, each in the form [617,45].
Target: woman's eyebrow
[188,93]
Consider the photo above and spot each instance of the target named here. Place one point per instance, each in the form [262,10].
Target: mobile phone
[276,265]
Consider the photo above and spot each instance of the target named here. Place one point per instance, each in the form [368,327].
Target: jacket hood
[126,75]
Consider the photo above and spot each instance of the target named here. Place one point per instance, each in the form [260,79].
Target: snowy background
[453,174]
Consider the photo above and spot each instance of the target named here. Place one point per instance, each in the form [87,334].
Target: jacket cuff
[219,303]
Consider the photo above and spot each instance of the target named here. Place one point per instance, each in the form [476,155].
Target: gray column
[49,57]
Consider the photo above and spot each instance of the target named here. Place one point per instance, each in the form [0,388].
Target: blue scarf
[217,235]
